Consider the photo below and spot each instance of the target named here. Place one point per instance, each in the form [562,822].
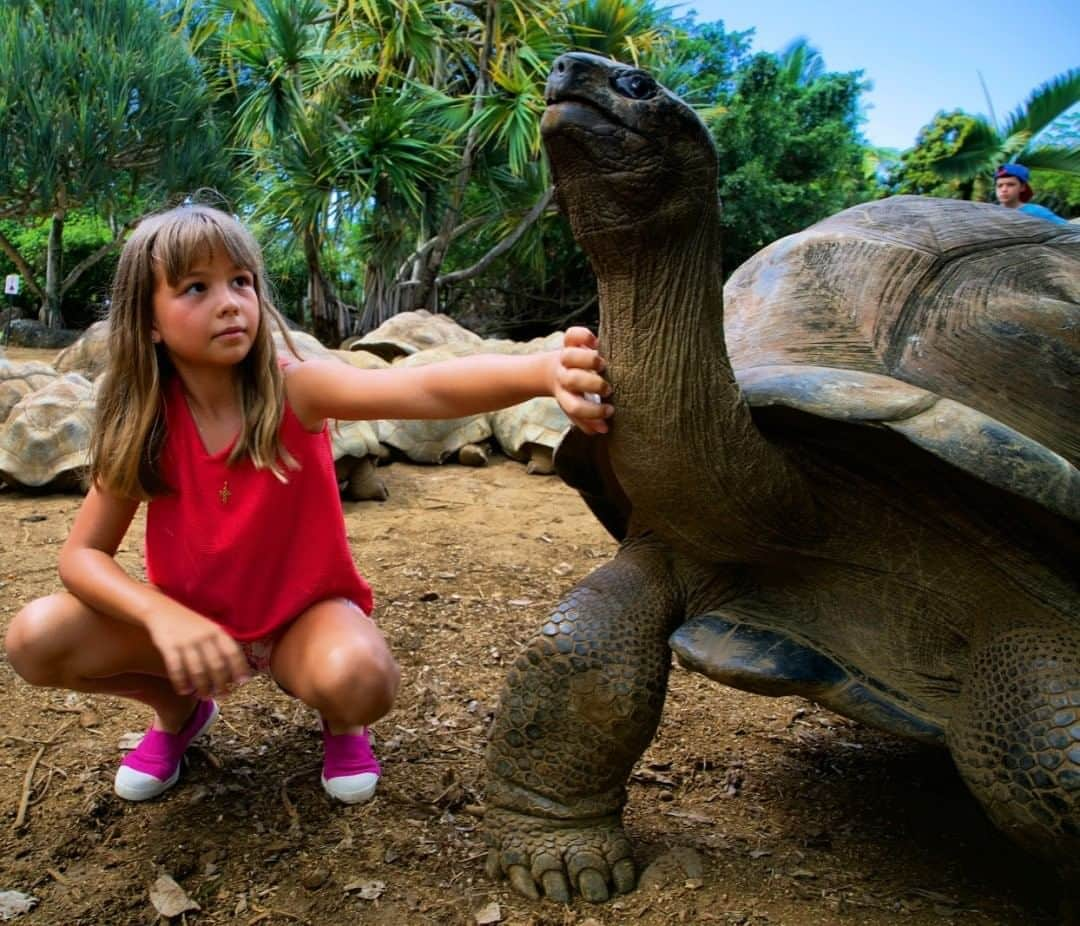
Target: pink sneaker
[350,769]
[153,766]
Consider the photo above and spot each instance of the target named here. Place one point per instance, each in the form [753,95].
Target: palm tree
[800,63]
[987,145]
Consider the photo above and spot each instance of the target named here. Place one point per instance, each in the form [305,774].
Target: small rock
[366,889]
[674,867]
[314,878]
[430,596]
[89,718]
[169,898]
[14,903]
[492,913]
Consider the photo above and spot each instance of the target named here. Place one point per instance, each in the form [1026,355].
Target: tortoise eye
[635,85]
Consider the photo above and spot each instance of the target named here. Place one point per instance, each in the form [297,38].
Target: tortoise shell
[46,439]
[955,324]
[18,379]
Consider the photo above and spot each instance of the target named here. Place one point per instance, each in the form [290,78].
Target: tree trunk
[328,313]
[50,308]
[426,294]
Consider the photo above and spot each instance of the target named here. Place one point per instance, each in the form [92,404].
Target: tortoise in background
[18,379]
[872,504]
[45,442]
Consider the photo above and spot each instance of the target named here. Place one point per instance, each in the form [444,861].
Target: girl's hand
[199,656]
[579,388]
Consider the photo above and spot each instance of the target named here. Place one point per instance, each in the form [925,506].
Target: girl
[248,565]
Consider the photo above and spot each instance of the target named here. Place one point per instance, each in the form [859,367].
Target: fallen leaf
[169,898]
[129,741]
[14,903]
[492,913]
[367,890]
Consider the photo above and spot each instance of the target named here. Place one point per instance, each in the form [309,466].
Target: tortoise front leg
[1016,741]
[579,707]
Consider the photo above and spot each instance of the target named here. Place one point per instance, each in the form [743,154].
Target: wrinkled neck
[683,443]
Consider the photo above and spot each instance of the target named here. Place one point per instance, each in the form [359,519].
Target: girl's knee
[33,639]
[359,682]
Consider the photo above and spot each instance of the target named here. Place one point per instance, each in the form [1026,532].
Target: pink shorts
[258,653]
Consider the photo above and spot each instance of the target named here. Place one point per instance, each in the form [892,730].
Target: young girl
[248,565]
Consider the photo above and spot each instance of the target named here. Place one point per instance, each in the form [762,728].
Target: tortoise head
[632,162]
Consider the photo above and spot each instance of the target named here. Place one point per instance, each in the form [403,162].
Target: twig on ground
[59,878]
[209,756]
[295,832]
[40,796]
[267,912]
[28,781]
[60,732]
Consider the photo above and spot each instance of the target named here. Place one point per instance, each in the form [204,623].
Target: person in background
[1011,181]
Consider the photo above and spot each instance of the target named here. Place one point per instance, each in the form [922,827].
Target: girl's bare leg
[334,659]
[58,642]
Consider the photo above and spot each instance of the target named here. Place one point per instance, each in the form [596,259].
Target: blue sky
[921,56]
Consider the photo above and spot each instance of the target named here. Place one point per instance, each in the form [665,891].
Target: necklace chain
[224,493]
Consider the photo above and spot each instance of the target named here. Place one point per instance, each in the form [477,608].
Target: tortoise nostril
[560,67]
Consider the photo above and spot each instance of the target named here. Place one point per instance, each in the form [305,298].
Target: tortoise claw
[624,875]
[522,882]
[556,858]
[555,886]
[593,886]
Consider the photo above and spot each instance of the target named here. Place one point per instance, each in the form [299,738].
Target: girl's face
[210,316]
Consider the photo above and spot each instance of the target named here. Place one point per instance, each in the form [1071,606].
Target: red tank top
[236,544]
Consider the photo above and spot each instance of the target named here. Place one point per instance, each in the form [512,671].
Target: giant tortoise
[872,504]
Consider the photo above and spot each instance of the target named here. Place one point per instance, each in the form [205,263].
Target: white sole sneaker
[133,785]
[351,789]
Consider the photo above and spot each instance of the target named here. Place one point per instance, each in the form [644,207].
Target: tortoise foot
[1016,739]
[556,858]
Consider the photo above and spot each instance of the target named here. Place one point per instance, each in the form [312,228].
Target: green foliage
[790,154]
[97,99]
[1059,192]
[917,171]
[84,233]
[102,107]
[985,145]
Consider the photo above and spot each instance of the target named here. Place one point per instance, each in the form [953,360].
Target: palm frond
[979,148]
[1065,160]
[1046,103]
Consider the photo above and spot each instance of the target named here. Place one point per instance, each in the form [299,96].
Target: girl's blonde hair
[131,423]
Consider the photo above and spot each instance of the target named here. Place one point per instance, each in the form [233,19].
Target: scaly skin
[579,707]
[1016,738]
[979,624]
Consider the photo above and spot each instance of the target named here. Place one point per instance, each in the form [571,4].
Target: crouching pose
[247,561]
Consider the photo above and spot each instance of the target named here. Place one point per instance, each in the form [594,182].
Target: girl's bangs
[191,235]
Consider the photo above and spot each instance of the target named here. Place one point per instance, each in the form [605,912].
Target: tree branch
[503,246]
[87,262]
[421,251]
[21,265]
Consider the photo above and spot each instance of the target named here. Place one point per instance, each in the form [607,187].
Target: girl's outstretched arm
[320,389]
[199,655]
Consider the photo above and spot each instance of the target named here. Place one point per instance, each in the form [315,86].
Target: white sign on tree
[11,284]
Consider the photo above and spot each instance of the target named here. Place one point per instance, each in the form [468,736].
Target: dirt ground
[799,816]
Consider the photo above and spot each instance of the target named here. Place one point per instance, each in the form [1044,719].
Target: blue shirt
[1041,212]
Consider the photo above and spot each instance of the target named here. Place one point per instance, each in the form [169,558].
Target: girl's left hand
[579,388]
